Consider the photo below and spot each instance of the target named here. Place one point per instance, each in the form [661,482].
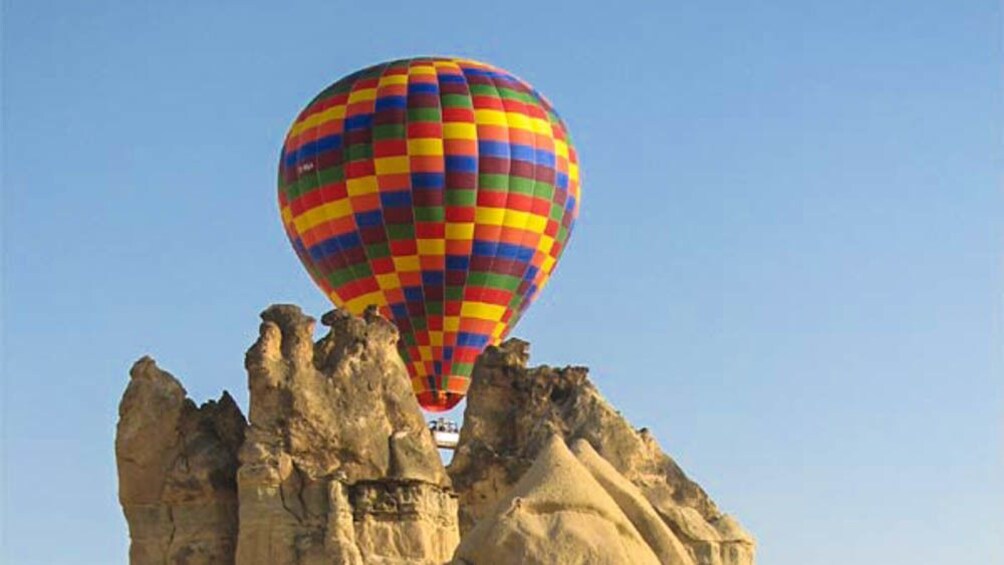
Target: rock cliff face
[512,413]
[338,465]
[556,513]
[335,465]
[177,466]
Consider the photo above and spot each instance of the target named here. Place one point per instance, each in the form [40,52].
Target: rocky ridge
[335,465]
[177,466]
[514,410]
[556,513]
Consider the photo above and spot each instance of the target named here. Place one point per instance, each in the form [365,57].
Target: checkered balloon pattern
[441,190]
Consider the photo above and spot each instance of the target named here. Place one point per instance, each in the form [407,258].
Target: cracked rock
[514,410]
[335,465]
[338,465]
[177,464]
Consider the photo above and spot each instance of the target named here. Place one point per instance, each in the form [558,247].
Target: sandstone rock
[556,513]
[338,465]
[632,502]
[177,465]
[512,412]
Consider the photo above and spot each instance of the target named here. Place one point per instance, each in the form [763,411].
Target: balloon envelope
[441,190]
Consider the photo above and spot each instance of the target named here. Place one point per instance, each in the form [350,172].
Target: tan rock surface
[512,410]
[177,465]
[338,465]
[635,506]
[556,513]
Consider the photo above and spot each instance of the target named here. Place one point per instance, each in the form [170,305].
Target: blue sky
[787,264]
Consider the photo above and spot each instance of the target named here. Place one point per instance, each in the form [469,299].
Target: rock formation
[512,413]
[556,513]
[177,466]
[660,539]
[335,465]
[338,465]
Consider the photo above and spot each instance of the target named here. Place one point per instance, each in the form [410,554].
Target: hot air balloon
[443,191]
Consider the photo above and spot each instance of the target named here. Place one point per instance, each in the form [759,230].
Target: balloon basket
[445,433]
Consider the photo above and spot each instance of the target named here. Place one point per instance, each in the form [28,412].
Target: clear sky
[788,263]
